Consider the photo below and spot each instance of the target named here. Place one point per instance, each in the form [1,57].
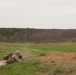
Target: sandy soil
[59,58]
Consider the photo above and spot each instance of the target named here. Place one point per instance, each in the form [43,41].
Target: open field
[41,59]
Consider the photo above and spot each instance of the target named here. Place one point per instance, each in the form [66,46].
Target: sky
[48,14]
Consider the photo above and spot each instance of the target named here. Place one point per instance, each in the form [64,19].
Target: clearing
[41,59]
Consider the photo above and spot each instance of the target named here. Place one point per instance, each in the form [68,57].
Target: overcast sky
[58,14]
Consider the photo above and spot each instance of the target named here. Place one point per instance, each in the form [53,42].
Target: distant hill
[37,35]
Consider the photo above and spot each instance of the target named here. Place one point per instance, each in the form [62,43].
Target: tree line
[37,35]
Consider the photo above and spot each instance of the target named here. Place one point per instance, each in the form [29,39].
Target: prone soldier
[13,57]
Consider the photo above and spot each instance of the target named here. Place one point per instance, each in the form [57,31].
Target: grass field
[35,67]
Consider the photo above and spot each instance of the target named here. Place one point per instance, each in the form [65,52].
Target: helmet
[17,52]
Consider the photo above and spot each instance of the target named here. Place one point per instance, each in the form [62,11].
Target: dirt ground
[64,60]
[56,57]
[59,58]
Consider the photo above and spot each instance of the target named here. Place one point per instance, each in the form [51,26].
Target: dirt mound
[58,58]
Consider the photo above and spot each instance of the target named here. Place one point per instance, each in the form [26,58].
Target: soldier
[13,57]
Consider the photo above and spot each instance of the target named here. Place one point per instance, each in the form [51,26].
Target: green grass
[58,71]
[33,67]
[53,47]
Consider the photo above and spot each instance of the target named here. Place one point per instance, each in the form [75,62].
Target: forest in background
[23,35]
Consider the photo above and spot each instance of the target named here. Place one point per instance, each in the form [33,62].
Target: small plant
[35,62]
[57,71]
[42,54]
[52,61]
